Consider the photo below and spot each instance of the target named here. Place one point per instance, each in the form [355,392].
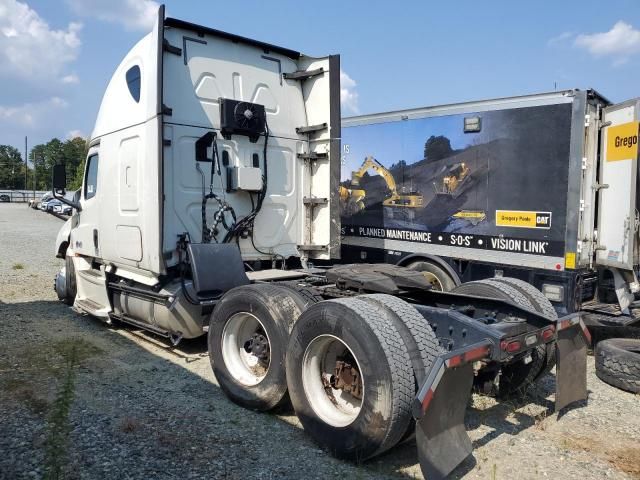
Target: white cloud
[132,14]
[72,78]
[29,48]
[71,134]
[564,36]
[620,42]
[348,94]
[31,115]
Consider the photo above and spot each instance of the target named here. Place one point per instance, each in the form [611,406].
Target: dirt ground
[89,401]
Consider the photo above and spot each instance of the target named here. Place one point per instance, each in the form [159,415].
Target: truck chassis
[450,342]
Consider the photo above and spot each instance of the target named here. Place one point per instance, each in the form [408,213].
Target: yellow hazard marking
[622,142]
[570,260]
[523,219]
[470,214]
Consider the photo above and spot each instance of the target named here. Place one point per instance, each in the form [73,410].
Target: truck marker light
[547,333]
[510,347]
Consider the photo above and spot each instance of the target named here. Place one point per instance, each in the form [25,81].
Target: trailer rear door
[617,210]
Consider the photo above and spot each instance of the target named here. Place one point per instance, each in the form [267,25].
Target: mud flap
[571,358]
[439,409]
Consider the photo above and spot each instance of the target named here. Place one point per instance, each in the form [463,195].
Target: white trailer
[211,188]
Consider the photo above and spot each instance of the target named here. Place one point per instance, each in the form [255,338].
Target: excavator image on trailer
[353,198]
[211,187]
[455,177]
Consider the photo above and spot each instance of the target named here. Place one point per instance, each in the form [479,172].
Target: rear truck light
[548,333]
[553,292]
[531,340]
[510,347]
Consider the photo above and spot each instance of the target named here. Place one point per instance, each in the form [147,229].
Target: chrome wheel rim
[246,349]
[326,364]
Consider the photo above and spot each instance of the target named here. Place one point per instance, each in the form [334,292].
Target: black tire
[517,376]
[304,296]
[418,337]
[446,283]
[618,363]
[276,310]
[385,367]
[543,305]
[71,288]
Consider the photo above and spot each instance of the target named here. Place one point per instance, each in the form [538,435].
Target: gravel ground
[136,409]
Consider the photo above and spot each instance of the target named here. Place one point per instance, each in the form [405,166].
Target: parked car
[59,207]
[5,198]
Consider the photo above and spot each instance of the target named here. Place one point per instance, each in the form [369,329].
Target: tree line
[42,157]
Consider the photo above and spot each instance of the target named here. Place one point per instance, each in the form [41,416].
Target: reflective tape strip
[466,357]
[585,331]
[570,322]
[429,395]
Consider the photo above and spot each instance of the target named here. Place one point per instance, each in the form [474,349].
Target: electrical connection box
[244,178]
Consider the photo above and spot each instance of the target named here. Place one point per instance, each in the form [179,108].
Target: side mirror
[60,184]
[59,178]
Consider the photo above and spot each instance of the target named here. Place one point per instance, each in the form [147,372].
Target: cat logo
[523,219]
[622,142]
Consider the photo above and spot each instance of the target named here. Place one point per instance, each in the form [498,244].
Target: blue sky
[385,141]
[58,55]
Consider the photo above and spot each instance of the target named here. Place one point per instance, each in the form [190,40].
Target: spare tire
[349,378]
[618,363]
[517,376]
[248,337]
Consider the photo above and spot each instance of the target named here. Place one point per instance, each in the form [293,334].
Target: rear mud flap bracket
[571,358]
[439,409]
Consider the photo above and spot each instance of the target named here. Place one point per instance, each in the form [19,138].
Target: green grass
[18,266]
[58,425]
[73,352]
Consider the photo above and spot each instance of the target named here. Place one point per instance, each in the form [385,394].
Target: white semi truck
[210,206]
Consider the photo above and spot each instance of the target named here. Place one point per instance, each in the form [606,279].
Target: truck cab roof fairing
[118,96]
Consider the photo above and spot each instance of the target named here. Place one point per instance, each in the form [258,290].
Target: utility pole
[26,166]
[34,176]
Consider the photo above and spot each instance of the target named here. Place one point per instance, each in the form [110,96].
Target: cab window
[133,82]
[91,177]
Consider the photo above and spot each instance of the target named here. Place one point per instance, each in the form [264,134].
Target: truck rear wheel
[349,378]
[248,337]
[417,335]
[515,377]
[438,278]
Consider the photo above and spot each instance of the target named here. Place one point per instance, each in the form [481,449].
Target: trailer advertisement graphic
[432,180]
